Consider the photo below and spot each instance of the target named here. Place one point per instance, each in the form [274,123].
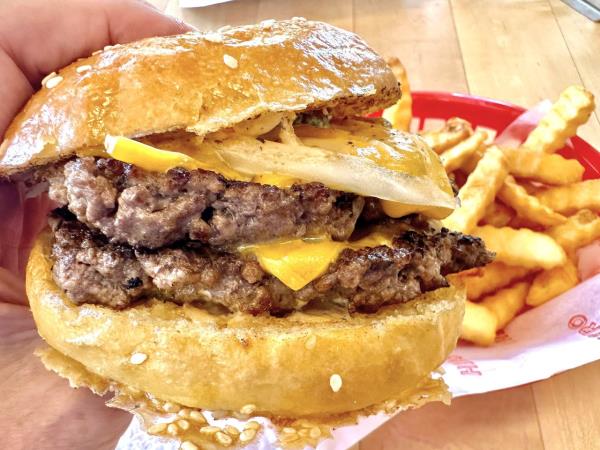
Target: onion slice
[346,172]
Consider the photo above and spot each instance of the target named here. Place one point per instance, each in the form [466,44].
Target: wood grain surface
[522,51]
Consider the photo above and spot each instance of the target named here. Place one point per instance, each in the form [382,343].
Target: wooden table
[521,51]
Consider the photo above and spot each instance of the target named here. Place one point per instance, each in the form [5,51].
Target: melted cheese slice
[297,262]
[147,157]
[195,157]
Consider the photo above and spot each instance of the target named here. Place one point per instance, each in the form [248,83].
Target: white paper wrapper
[136,439]
[559,335]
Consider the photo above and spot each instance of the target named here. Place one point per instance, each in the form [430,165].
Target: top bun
[198,82]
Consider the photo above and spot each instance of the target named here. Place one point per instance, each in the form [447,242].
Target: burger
[232,232]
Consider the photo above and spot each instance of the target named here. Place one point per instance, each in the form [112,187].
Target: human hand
[37,37]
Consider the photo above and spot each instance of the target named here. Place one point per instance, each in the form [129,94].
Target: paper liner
[274,433]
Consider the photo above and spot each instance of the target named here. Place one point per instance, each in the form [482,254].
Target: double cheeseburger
[231,232]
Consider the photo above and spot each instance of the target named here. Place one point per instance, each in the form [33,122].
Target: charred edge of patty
[90,269]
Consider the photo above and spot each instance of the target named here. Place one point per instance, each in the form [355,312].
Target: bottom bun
[315,362]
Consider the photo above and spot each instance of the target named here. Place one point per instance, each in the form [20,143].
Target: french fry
[479,324]
[522,222]
[472,161]
[492,277]
[568,199]
[542,167]
[479,191]
[572,109]
[454,157]
[506,303]
[454,131]
[579,230]
[532,187]
[551,283]
[527,206]
[522,247]
[400,114]
[497,214]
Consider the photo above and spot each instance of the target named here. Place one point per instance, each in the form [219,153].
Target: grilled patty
[91,269]
[153,210]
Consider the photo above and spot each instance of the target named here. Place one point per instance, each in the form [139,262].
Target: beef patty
[152,210]
[93,270]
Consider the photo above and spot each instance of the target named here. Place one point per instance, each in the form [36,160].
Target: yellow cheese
[153,159]
[281,181]
[146,156]
[396,209]
[297,262]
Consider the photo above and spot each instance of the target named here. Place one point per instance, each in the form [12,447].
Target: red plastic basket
[494,114]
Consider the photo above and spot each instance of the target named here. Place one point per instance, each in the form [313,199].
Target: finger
[40,408]
[11,215]
[15,89]
[12,288]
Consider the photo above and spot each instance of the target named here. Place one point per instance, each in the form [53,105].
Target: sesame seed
[252,425]
[223,439]
[47,77]
[183,424]
[84,68]
[311,342]
[185,412]
[188,445]
[220,414]
[230,61]
[138,358]
[248,409]
[289,430]
[232,431]
[209,429]
[197,416]
[157,428]
[315,432]
[247,435]
[303,433]
[53,82]
[288,438]
[171,407]
[335,381]
[172,429]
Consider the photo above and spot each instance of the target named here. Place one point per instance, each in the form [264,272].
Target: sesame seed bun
[199,82]
[312,363]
